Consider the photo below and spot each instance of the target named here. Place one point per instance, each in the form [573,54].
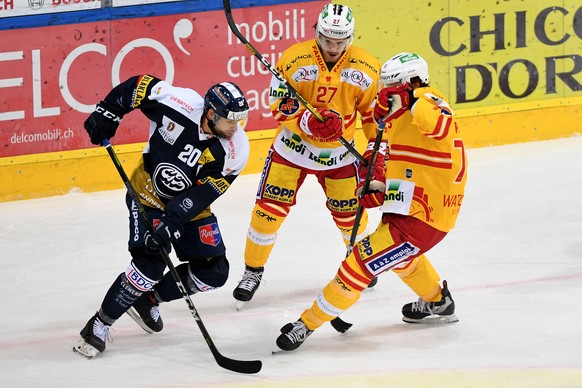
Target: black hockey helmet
[227,100]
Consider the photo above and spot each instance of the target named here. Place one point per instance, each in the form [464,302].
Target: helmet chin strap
[212,123]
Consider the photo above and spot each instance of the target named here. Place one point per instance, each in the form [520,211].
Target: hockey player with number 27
[419,191]
[196,148]
[340,81]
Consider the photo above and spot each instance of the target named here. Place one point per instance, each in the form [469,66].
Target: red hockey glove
[392,102]
[374,195]
[379,168]
[327,131]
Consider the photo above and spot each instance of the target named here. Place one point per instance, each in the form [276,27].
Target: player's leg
[343,291]
[276,195]
[397,241]
[435,303]
[202,247]
[339,186]
[145,269]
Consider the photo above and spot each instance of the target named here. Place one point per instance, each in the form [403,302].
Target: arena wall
[513,74]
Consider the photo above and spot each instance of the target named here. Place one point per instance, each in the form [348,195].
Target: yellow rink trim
[57,173]
[467,378]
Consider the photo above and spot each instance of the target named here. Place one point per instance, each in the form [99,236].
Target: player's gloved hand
[166,231]
[103,122]
[328,130]
[392,102]
[374,195]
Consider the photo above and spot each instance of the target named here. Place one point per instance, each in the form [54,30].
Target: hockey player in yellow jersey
[419,188]
[340,80]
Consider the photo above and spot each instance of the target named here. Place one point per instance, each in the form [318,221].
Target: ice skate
[146,313]
[248,285]
[293,335]
[442,311]
[93,338]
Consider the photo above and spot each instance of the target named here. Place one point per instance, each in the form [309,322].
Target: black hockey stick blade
[248,367]
[340,325]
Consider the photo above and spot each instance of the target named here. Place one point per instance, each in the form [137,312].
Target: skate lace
[298,333]
[101,331]
[421,306]
[250,280]
[155,313]
[154,309]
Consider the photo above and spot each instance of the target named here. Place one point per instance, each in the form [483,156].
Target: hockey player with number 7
[419,191]
[340,81]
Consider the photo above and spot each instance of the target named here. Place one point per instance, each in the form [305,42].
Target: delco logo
[169,180]
[279,193]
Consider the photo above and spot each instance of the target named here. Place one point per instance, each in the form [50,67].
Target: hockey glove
[374,195]
[103,122]
[166,231]
[392,102]
[328,130]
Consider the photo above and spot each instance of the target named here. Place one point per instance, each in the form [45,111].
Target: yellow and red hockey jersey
[427,168]
[348,88]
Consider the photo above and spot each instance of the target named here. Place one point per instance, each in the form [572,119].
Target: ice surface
[513,263]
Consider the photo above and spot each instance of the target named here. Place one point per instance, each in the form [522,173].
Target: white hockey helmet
[402,68]
[336,21]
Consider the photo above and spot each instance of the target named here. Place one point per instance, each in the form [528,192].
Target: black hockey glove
[103,122]
[166,231]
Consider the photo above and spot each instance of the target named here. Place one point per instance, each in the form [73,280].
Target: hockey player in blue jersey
[196,148]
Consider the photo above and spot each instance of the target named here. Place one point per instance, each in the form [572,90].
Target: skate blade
[433,319]
[83,349]
[135,316]
[239,305]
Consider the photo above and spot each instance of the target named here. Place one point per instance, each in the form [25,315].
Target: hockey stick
[291,89]
[369,173]
[338,323]
[225,362]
